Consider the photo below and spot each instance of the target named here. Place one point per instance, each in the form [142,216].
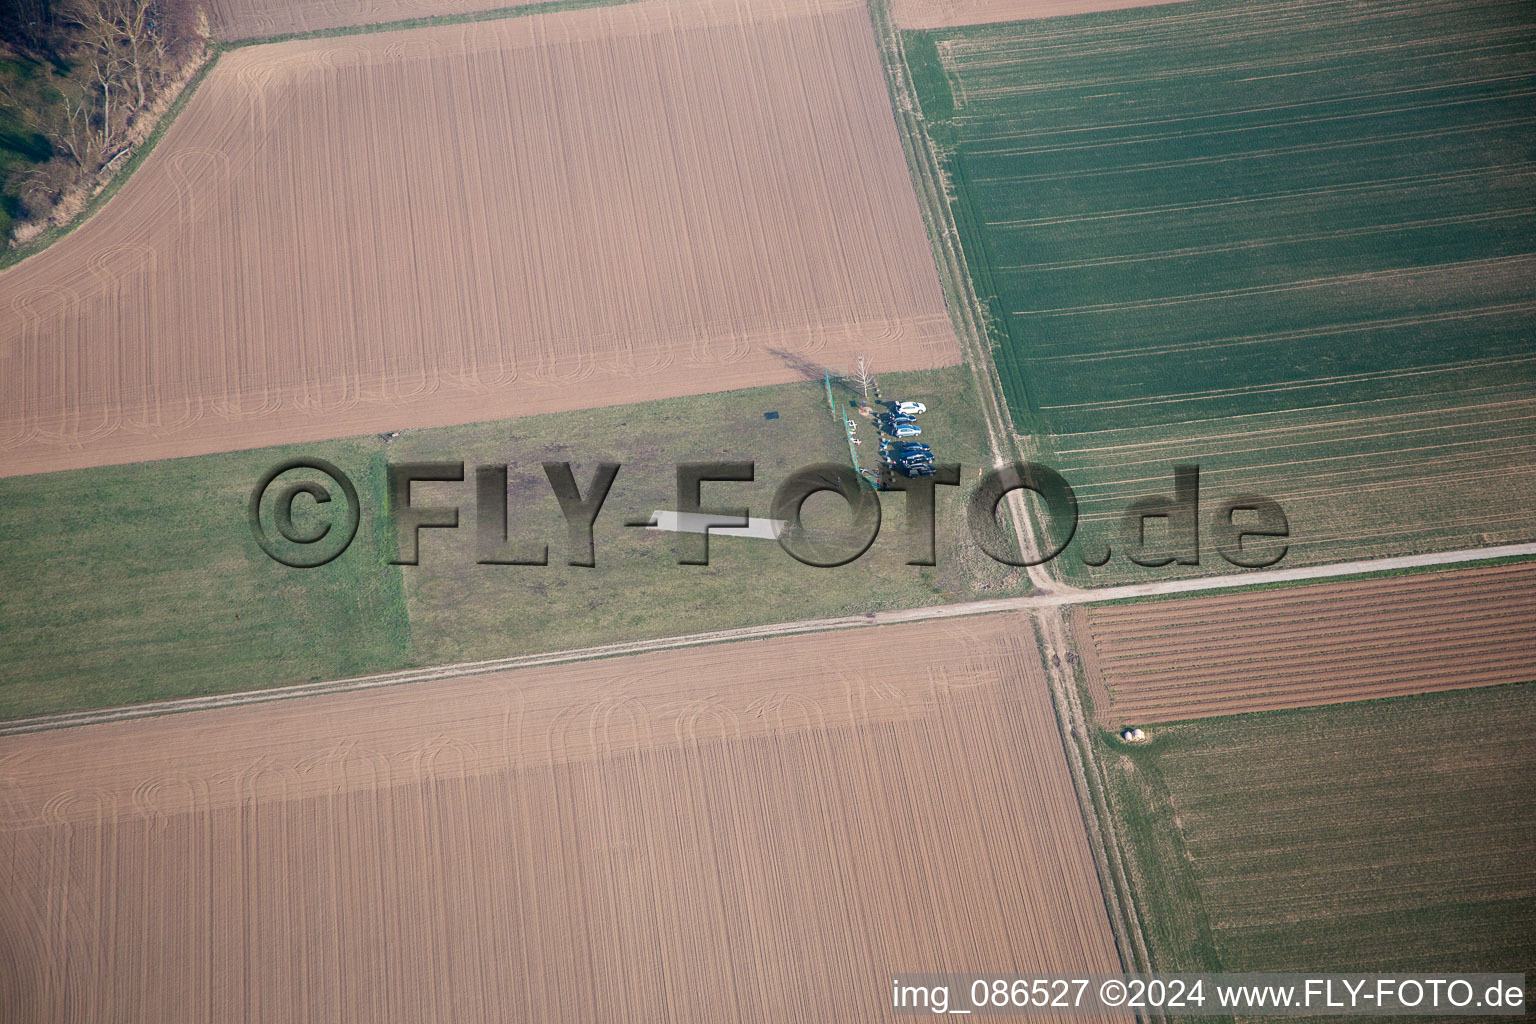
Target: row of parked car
[911,458]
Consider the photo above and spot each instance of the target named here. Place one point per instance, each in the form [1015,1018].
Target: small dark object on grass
[770,415]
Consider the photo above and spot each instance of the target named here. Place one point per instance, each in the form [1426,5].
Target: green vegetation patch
[1389,835]
[1293,243]
[134,583]
[462,611]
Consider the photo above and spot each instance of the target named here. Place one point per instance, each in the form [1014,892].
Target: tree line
[76,79]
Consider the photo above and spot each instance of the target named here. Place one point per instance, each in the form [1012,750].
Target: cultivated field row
[941,13]
[1287,240]
[647,201]
[687,836]
[1319,644]
[1371,479]
[1373,836]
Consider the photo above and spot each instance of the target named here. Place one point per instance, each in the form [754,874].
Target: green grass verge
[143,582]
[132,583]
[1387,835]
[461,611]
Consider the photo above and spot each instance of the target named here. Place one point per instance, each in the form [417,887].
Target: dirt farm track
[352,235]
[782,824]
[1321,644]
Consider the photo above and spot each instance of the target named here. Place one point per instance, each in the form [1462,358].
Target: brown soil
[464,223]
[1320,644]
[946,13]
[248,19]
[760,831]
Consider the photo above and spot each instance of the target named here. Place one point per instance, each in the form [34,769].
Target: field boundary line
[1028,602]
[975,335]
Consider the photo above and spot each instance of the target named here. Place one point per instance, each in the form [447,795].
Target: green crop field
[133,583]
[1292,242]
[1389,835]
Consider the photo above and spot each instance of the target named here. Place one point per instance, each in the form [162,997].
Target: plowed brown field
[948,13]
[762,831]
[1320,644]
[247,19]
[464,223]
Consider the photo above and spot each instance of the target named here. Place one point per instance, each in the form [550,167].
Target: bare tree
[73,132]
[123,49]
[102,64]
[865,378]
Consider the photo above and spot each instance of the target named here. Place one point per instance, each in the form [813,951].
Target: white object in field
[1133,735]
[718,526]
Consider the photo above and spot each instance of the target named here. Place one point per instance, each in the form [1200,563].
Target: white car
[910,408]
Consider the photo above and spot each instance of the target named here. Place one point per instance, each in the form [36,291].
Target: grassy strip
[432,21]
[929,79]
[462,611]
[16,254]
[137,583]
[132,583]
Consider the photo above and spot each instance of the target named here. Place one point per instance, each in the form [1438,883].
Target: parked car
[906,430]
[897,421]
[910,408]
